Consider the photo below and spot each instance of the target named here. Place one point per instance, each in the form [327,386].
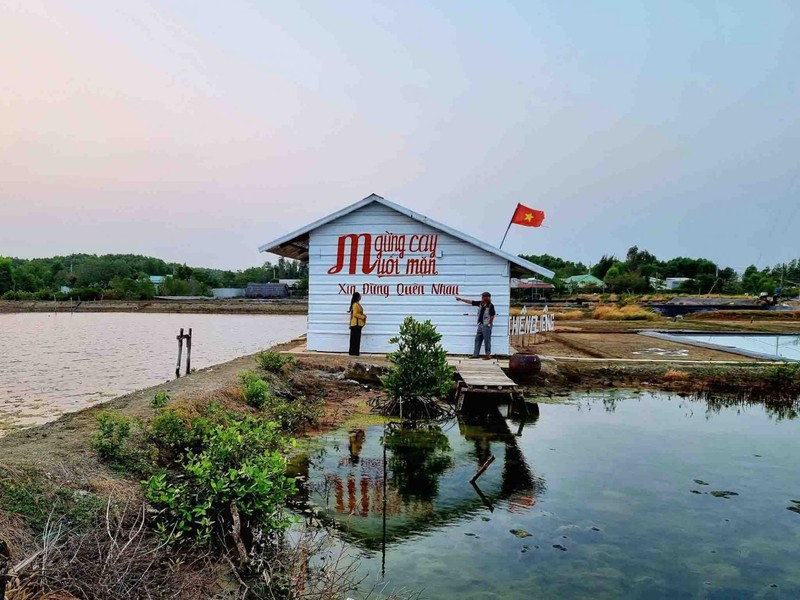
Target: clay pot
[524,366]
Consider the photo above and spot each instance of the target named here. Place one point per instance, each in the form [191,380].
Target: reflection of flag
[518,503]
[529,217]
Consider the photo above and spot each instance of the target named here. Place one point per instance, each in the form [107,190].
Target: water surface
[52,363]
[783,346]
[635,496]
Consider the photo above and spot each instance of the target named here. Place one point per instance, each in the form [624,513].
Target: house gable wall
[388,297]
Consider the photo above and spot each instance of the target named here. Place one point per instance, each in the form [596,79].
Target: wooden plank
[484,375]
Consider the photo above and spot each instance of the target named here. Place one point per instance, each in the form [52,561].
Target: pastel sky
[196,130]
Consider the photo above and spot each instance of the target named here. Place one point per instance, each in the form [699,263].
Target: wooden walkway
[481,377]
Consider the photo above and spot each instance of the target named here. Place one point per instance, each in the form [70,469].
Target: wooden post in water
[189,352]
[180,351]
[482,469]
[188,338]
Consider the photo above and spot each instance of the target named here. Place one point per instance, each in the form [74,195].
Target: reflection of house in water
[420,480]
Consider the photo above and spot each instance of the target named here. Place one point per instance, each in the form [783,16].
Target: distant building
[673,283]
[531,288]
[157,280]
[290,282]
[65,289]
[223,293]
[583,281]
[267,290]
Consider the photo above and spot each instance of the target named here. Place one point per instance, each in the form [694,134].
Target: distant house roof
[295,244]
[157,279]
[266,290]
[586,279]
[531,284]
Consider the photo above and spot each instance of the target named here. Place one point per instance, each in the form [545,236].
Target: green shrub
[295,414]
[38,501]
[787,374]
[11,295]
[242,461]
[110,440]
[160,400]
[292,414]
[418,373]
[171,431]
[255,390]
[273,361]
[119,441]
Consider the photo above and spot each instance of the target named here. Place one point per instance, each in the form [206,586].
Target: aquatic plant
[418,374]
[674,375]
[787,374]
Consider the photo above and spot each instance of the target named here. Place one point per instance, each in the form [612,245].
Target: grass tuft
[626,313]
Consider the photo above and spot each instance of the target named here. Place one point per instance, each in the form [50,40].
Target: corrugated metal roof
[267,290]
[587,278]
[295,244]
[531,284]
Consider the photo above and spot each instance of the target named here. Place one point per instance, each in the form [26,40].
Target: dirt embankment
[775,386]
[628,345]
[232,307]
[62,448]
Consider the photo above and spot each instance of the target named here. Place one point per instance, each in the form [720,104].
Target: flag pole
[506,233]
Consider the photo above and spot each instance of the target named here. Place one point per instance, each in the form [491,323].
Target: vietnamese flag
[529,217]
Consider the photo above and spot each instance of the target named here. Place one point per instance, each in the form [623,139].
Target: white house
[673,283]
[402,263]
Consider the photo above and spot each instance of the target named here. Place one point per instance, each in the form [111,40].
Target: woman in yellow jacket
[357,321]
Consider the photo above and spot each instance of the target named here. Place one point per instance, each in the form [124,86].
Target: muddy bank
[628,345]
[225,307]
[776,386]
[748,315]
[104,473]
[64,445]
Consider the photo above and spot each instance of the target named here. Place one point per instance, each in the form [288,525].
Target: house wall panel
[387,300]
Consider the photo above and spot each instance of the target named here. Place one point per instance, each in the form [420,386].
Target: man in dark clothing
[485,321]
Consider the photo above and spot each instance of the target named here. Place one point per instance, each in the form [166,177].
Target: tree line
[127,277]
[640,271]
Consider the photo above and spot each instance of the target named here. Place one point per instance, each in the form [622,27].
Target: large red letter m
[355,242]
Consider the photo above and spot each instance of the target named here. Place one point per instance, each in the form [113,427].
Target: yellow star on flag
[527,217]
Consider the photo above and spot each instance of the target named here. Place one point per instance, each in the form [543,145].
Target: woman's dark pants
[355,340]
